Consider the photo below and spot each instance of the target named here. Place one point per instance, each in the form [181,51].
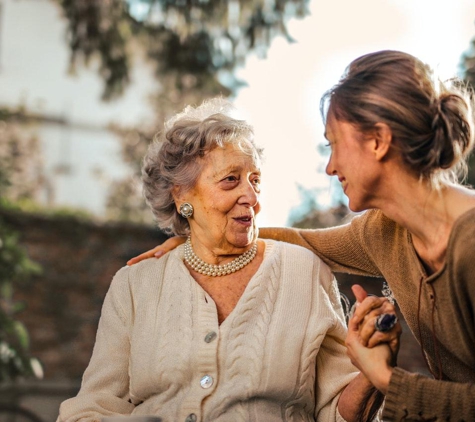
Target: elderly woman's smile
[225,199]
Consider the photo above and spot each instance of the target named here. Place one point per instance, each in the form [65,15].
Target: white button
[206,381]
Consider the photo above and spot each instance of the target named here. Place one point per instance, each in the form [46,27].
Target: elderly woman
[225,327]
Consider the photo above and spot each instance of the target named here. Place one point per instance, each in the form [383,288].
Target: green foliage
[198,41]
[59,212]
[15,266]
[16,151]
[309,215]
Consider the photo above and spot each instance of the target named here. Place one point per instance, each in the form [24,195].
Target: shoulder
[374,222]
[462,241]
[147,272]
[297,260]
[289,252]
[379,233]
[464,226]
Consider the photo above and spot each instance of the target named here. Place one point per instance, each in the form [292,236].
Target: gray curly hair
[176,157]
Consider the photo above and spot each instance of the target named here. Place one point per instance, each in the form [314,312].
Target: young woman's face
[226,201]
[352,161]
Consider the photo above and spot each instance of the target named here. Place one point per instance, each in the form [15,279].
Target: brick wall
[79,260]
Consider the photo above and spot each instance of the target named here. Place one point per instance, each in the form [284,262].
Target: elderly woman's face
[226,200]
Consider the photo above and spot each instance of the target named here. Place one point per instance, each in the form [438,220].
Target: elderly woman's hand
[159,250]
[372,351]
[367,311]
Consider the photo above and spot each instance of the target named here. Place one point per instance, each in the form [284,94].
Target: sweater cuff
[396,391]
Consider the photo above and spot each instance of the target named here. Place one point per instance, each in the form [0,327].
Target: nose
[329,169]
[249,195]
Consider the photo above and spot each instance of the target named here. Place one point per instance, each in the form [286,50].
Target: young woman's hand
[367,311]
[372,351]
[159,250]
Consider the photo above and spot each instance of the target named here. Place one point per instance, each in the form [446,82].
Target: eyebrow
[233,168]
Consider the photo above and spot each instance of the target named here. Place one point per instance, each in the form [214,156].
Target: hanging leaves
[186,37]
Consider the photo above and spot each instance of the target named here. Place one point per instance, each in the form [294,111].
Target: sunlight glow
[283,92]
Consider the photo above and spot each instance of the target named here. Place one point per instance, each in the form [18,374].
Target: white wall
[34,72]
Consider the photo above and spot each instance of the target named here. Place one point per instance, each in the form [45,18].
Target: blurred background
[85,85]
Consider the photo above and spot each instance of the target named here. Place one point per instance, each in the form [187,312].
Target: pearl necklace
[202,267]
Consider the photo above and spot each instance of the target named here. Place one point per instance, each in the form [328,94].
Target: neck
[218,250]
[428,214]
[203,267]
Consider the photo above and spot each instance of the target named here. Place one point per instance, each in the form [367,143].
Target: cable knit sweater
[372,244]
[279,355]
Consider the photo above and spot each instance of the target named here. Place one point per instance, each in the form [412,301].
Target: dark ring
[385,322]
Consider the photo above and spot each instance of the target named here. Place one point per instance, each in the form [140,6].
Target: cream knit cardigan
[279,355]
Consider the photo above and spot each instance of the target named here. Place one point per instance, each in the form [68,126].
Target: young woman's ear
[383,137]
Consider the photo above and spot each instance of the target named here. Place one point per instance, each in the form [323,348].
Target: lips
[244,219]
[343,182]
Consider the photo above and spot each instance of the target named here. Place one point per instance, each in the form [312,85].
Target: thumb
[359,292]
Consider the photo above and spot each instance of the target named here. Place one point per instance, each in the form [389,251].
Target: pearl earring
[186,210]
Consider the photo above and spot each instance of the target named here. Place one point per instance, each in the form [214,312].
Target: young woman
[398,139]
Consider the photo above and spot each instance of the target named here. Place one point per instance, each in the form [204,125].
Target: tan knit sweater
[279,356]
[372,244]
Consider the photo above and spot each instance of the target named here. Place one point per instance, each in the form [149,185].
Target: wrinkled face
[226,201]
[352,161]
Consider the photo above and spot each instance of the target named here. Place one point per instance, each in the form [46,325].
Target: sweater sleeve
[105,386]
[418,398]
[343,248]
[334,369]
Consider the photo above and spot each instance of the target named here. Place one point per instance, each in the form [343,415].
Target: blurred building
[80,153]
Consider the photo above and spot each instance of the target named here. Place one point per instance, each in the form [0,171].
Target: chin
[244,240]
[355,207]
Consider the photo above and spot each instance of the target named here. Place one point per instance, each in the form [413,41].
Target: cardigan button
[206,381]
[210,337]
[191,418]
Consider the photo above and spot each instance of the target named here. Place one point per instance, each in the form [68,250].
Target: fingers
[366,312]
[145,255]
[374,362]
[367,325]
[391,337]
[169,245]
[359,292]
[159,250]
[367,305]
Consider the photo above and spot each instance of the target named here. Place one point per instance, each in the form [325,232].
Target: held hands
[159,250]
[373,352]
